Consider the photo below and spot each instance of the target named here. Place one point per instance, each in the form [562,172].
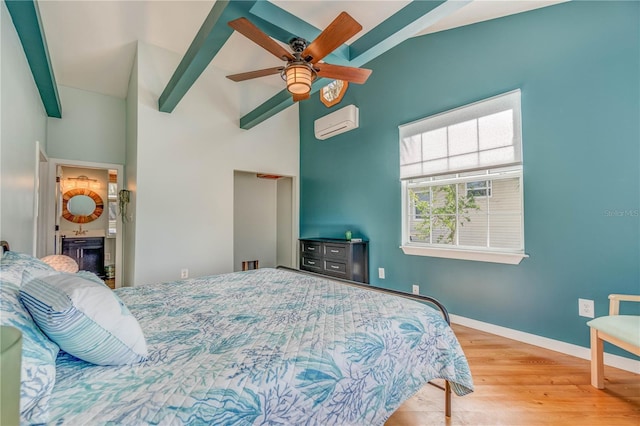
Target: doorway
[263,220]
[100,181]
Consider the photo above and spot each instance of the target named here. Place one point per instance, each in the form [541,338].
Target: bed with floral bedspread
[264,347]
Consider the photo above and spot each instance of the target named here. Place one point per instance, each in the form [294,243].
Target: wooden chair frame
[598,338]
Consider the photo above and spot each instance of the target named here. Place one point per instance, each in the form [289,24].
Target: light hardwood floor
[520,384]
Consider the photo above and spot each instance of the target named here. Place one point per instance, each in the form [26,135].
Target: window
[479,188]
[418,200]
[461,174]
[332,93]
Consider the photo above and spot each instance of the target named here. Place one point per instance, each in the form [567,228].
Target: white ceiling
[92,43]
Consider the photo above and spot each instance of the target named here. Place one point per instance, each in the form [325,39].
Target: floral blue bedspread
[264,347]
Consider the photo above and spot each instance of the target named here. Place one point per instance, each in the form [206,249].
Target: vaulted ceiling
[92,44]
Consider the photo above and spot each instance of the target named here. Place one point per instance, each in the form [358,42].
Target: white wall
[23,122]
[92,127]
[254,220]
[185,163]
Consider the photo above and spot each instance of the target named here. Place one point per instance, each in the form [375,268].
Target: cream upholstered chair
[619,330]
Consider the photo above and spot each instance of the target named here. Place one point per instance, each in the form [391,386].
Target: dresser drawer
[312,263]
[335,267]
[335,251]
[82,242]
[311,248]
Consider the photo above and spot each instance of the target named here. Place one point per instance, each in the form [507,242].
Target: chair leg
[447,399]
[597,360]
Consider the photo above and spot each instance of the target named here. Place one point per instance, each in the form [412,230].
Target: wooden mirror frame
[97,212]
[331,102]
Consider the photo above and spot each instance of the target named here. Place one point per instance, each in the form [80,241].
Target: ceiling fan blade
[339,72]
[297,98]
[255,74]
[253,33]
[340,30]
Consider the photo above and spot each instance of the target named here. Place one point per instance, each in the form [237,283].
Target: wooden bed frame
[417,297]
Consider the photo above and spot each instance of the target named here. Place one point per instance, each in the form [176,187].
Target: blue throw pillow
[86,319]
[38,369]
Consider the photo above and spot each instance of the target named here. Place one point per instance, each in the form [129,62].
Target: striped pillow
[86,319]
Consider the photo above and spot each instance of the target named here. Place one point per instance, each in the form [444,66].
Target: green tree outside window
[443,211]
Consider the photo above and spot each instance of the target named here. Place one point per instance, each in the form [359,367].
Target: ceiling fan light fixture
[299,79]
[304,63]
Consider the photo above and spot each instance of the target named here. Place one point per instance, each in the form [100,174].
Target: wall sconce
[81,181]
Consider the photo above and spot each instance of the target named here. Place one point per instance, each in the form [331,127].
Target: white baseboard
[551,344]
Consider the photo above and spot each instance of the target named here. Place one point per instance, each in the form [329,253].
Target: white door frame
[295,216]
[39,202]
[51,207]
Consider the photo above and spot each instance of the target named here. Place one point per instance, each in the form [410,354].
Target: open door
[263,220]
[103,179]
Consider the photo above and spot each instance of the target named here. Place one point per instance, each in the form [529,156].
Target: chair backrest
[615,299]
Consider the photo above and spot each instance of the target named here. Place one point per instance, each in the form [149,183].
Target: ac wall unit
[337,122]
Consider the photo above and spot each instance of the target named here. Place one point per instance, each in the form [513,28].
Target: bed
[266,346]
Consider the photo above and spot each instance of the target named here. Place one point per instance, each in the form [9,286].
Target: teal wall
[578,66]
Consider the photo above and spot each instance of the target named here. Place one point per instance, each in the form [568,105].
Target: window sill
[479,256]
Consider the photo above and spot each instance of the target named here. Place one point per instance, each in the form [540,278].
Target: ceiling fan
[303,63]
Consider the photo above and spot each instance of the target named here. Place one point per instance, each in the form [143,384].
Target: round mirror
[81,205]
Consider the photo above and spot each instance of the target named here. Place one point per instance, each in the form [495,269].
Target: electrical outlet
[381,273]
[416,289]
[107,256]
[184,273]
[586,308]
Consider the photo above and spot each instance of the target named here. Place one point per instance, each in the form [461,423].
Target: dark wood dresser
[338,258]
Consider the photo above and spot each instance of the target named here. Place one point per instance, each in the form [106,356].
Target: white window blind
[481,135]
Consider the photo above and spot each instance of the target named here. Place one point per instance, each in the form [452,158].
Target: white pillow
[61,262]
[86,319]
